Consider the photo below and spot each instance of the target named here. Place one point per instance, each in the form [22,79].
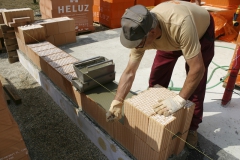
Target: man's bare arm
[126,80]
[195,74]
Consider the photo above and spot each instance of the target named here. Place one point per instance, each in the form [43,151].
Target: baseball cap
[136,22]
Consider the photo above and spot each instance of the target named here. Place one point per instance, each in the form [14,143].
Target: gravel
[47,131]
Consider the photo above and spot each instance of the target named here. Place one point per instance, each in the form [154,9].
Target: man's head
[136,22]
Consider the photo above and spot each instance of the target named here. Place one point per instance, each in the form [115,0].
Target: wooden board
[10,90]
[7,97]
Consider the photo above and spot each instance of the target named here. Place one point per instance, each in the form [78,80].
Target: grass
[14,4]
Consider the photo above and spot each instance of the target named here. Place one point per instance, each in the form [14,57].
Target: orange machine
[234,76]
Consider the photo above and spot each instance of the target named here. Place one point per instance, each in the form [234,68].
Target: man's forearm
[191,83]
[124,86]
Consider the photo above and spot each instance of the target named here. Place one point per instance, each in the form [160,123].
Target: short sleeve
[188,38]
[137,54]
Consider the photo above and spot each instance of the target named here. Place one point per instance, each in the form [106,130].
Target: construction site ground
[50,134]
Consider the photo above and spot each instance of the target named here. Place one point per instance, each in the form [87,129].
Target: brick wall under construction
[143,133]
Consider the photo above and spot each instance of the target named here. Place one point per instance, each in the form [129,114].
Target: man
[174,29]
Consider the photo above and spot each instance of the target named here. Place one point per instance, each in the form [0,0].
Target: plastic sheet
[224,28]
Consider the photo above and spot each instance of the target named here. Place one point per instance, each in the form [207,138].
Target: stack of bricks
[59,31]
[79,10]
[155,136]
[109,12]
[18,17]
[147,3]
[13,18]
[1,33]
[10,43]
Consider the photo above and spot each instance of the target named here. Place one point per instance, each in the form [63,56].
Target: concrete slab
[219,133]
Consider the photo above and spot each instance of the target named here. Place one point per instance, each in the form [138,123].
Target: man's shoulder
[168,11]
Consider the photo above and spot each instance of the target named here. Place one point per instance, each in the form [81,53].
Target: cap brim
[127,43]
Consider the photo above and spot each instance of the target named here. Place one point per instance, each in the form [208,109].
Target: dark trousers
[164,63]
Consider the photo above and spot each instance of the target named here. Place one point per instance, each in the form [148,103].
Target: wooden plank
[7,97]
[10,90]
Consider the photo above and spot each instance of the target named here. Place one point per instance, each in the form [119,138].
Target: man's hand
[169,106]
[115,111]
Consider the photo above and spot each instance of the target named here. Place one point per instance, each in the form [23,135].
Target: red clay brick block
[66,69]
[49,52]
[155,130]
[55,56]
[142,151]
[101,120]
[159,132]
[124,136]
[32,34]
[63,62]
[9,14]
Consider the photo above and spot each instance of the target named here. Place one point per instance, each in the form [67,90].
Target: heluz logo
[71,8]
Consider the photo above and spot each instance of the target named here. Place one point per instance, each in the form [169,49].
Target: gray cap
[136,23]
